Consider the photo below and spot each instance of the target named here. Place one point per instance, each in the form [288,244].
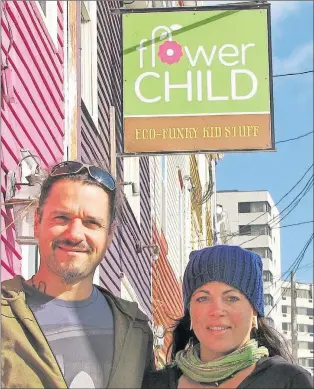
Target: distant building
[305,324]
[247,219]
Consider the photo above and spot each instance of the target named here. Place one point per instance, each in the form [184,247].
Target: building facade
[60,104]
[183,213]
[253,224]
[304,319]
[32,108]
[125,271]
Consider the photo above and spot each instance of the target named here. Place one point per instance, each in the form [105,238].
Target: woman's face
[222,319]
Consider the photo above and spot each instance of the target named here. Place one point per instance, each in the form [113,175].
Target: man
[58,329]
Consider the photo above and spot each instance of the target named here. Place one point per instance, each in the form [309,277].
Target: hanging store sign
[197,80]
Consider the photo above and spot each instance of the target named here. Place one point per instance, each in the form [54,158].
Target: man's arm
[150,359]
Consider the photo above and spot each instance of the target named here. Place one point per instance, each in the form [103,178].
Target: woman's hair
[265,335]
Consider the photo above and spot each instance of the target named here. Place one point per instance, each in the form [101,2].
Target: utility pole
[294,327]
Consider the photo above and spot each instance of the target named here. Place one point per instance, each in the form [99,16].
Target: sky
[277,172]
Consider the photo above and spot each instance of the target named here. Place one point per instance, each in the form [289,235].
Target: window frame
[164,192]
[249,205]
[268,276]
[128,293]
[89,69]
[286,309]
[286,326]
[269,300]
[248,230]
[50,18]
[30,260]
[131,173]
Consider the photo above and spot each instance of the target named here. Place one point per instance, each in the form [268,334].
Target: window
[310,311]
[305,294]
[286,326]
[306,345]
[286,309]
[164,194]
[263,252]
[128,293]
[301,293]
[131,187]
[30,261]
[49,13]
[302,328]
[267,276]
[43,5]
[286,292]
[302,311]
[306,328]
[244,230]
[269,299]
[306,362]
[89,58]
[244,208]
[255,230]
[254,207]
[181,235]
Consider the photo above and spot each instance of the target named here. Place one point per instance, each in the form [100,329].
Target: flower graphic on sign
[170,52]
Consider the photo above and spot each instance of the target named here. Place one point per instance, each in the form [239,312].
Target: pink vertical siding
[35,121]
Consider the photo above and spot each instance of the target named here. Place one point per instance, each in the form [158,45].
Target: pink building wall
[35,120]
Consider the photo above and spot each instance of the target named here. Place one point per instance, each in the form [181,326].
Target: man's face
[73,233]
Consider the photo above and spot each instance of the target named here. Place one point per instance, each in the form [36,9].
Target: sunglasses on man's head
[72,167]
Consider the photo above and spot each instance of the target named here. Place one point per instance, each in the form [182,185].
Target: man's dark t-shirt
[80,335]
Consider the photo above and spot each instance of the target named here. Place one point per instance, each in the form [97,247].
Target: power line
[294,267]
[293,74]
[294,224]
[298,137]
[232,235]
[293,203]
[306,266]
[283,197]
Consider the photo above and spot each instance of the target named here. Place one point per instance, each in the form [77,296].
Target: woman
[222,340]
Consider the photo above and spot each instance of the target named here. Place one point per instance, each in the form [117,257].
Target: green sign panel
[197,80]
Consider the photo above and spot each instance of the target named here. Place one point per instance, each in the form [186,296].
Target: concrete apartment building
[251,217]
[304,319]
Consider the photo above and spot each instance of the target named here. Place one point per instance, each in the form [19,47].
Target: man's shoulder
[130,308]
[11,288]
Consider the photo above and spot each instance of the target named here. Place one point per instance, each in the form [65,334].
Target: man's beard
[69,273]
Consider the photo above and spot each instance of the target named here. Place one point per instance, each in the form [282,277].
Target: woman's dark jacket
[269,373]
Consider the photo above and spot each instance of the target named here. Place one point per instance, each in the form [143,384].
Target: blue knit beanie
[232,265]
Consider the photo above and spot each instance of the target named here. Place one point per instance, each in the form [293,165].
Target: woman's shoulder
[282,364]
[290,375]
[167,377]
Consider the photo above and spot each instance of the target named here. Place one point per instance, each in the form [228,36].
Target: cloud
[301,58]
[281,10]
